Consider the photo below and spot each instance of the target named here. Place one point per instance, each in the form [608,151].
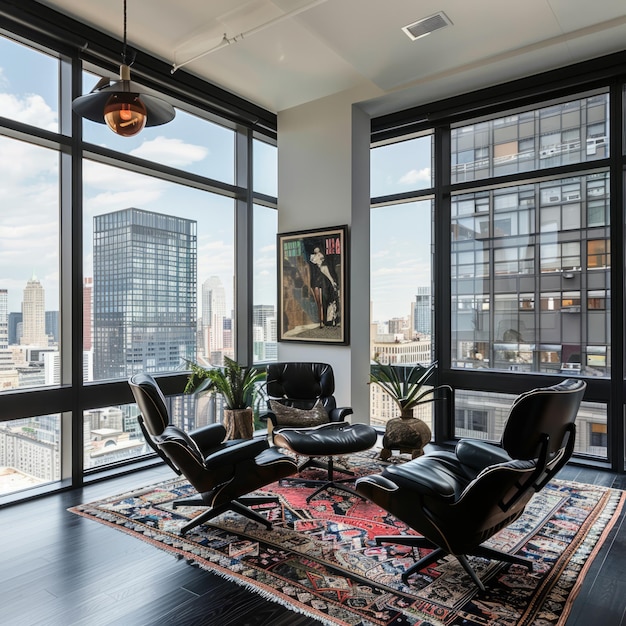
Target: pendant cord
[127,58]
[124,55]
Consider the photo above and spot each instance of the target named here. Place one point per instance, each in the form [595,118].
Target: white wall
[323,180]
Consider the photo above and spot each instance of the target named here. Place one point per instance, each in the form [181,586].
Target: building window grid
[538,139]
[554,254]
[562,235]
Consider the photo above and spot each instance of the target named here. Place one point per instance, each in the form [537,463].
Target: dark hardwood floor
[57,568]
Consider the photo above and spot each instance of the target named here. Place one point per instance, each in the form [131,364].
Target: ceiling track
[227,41]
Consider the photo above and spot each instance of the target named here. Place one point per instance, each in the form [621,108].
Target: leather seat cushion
[327,440]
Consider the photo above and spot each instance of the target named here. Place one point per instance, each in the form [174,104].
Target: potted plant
[403,383]
[237,384]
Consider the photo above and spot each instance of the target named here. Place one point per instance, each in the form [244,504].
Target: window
[265,168]
[29,88]
[527,197]
[471,419]
[556,129]
[29,266]
[162,273]
[597,435]
[402,166]
[264,322]
[156,263]
[524,244]
[598,254]
[401,295]
[30,452]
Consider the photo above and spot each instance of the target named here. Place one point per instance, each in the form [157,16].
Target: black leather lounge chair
[457,500]
[306,420]
[221,472]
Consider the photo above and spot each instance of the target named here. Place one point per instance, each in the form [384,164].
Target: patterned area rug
[320,559]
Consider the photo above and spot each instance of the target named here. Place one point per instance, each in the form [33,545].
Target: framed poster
[312,286]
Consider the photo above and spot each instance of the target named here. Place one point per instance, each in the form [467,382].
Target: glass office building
[144,293]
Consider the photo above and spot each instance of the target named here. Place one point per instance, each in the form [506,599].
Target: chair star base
[330,482]
[240,505]
[439,553]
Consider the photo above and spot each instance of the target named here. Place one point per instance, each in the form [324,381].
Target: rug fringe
[267,594]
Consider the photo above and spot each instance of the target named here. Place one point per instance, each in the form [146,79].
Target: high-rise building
[52,325]
[87,313]
[213,314]
[422,322]
[144,292]
[6,361]
[261,314]
[398,326]
[34,314]
[15,328]
[264,329]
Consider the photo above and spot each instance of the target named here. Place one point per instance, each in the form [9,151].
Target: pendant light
[122,106]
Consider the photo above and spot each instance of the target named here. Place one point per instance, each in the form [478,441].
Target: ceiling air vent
[427,25]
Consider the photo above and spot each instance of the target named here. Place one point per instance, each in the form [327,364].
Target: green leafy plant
[237,384]
[404,383]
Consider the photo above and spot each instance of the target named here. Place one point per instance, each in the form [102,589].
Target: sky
[29,195]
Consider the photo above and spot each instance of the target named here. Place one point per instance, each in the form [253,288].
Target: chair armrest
[236,453]
[426,477]
[479,454]
[366,484]
[208,437]
[339,414]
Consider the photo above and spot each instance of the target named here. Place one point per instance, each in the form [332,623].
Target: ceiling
[284,53]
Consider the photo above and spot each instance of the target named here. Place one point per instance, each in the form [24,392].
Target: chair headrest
[151,403]
[300,381]
[543,411]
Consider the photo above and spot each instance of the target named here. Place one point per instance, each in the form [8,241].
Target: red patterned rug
[320,559]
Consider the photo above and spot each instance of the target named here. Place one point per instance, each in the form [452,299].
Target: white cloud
[31,109]
[415,176]
[110,189]
[173,152]
[214,258]
[29,230]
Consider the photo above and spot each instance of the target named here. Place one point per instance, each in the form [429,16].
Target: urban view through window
[529,276]
[158,267]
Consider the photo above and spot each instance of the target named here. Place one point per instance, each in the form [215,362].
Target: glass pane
[563,267]
[264,330]
[401,296]
[265,168]
[570,132]
[483,415]
[188,143]
[402,166]
[29,86]
[29,452]
[154,250]
[29,265]
[112,434]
